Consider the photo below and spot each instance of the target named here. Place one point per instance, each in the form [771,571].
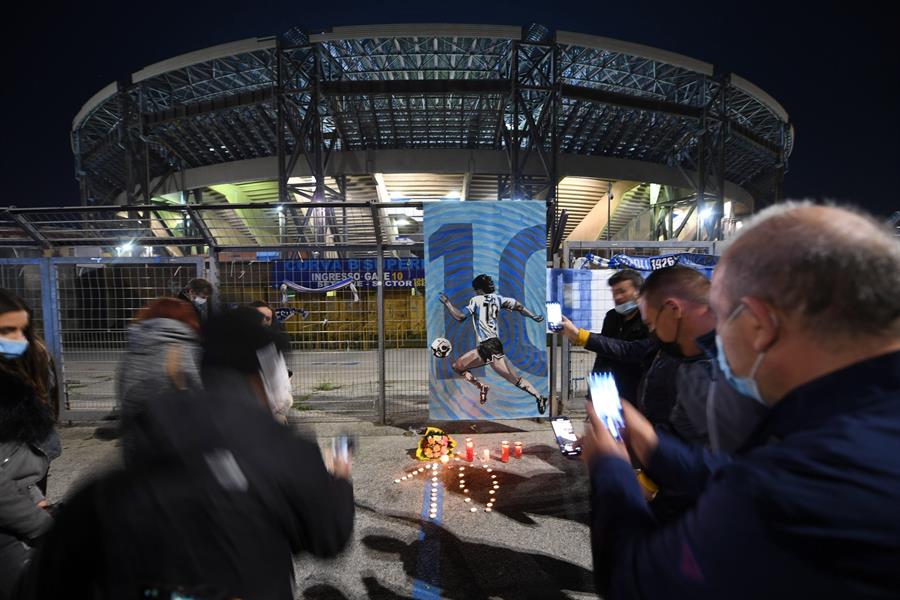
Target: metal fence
[357,353]
[343,364]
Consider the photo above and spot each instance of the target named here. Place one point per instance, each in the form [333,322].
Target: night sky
[833,67]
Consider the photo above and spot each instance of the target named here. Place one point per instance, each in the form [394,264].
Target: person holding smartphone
[218,496]
[623,322]
[807,307]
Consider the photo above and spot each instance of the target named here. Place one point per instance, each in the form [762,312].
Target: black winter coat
[219,498]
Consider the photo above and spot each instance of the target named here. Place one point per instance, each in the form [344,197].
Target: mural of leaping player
[484,308]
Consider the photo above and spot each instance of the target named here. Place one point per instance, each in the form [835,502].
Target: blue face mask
[12,348]
[627,307]
[743,385]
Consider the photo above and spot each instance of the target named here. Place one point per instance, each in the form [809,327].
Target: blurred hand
[443,298]
[538,318]
[44,504]
[569,330]
[341,468]
[639,434]
[597,440]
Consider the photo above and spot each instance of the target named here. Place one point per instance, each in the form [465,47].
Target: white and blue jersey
[485,311]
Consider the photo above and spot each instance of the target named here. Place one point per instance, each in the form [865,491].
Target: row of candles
[434,484]
[486,453]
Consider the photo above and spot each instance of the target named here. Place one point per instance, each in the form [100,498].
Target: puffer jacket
[28,442]
[163,357]
[22,467]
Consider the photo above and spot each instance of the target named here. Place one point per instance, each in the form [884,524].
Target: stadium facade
[630,142]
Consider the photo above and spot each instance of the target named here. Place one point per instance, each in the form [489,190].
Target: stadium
[315,152]
[436,111]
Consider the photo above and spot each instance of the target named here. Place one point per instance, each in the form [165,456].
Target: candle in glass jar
[470,450]
[504,451]
[487,455]
[518,450]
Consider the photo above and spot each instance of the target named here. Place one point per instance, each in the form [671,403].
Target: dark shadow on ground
[467,570]
[323,592]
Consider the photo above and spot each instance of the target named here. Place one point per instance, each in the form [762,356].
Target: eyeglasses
[734,314]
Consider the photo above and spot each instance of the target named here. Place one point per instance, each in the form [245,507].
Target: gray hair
[836,270]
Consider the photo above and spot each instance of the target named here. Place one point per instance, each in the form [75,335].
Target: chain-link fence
[97,301]
[357,333]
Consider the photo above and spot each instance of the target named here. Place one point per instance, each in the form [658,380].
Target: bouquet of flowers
[434,443]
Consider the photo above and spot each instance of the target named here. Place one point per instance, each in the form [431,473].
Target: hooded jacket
[216,499]
[163,356]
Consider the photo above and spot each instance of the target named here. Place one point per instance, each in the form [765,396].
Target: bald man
[807,305]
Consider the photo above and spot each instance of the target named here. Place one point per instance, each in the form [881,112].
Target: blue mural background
[506,240]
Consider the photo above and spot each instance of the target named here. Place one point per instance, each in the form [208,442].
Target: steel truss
[532,98]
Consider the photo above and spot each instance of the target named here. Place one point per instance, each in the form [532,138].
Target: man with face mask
[680,391]
[623,322]
[198,292]
[807,305]
[706,409]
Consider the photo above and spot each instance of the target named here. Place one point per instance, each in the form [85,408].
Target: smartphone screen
[606,402]
[565,435]
[554,316]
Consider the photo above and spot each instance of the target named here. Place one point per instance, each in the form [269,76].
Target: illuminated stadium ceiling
[423,112]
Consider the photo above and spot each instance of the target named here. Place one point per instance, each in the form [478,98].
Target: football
[441,347]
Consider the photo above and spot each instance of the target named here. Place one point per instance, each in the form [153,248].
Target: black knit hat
[231,339]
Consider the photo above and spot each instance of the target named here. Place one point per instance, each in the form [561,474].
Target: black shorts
[490,349]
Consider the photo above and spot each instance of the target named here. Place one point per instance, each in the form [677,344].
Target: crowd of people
[215,494]
[768,414]
[763,404]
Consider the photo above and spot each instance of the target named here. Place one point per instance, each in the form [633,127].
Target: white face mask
[274,374]
[199,301]
[627,307]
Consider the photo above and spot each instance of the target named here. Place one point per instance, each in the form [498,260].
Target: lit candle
[445,459]
[487,455]
[504,451]
[518,450]
[473,509]
[470,450]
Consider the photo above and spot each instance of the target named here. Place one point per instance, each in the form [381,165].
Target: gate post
[565,347]
[52,329]
[379,315]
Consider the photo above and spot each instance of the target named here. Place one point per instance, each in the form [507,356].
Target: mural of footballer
[484,308]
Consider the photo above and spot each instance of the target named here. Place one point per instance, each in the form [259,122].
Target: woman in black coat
[28,440]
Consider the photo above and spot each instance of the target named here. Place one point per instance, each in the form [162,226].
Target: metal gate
[96,300]
[340,368]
